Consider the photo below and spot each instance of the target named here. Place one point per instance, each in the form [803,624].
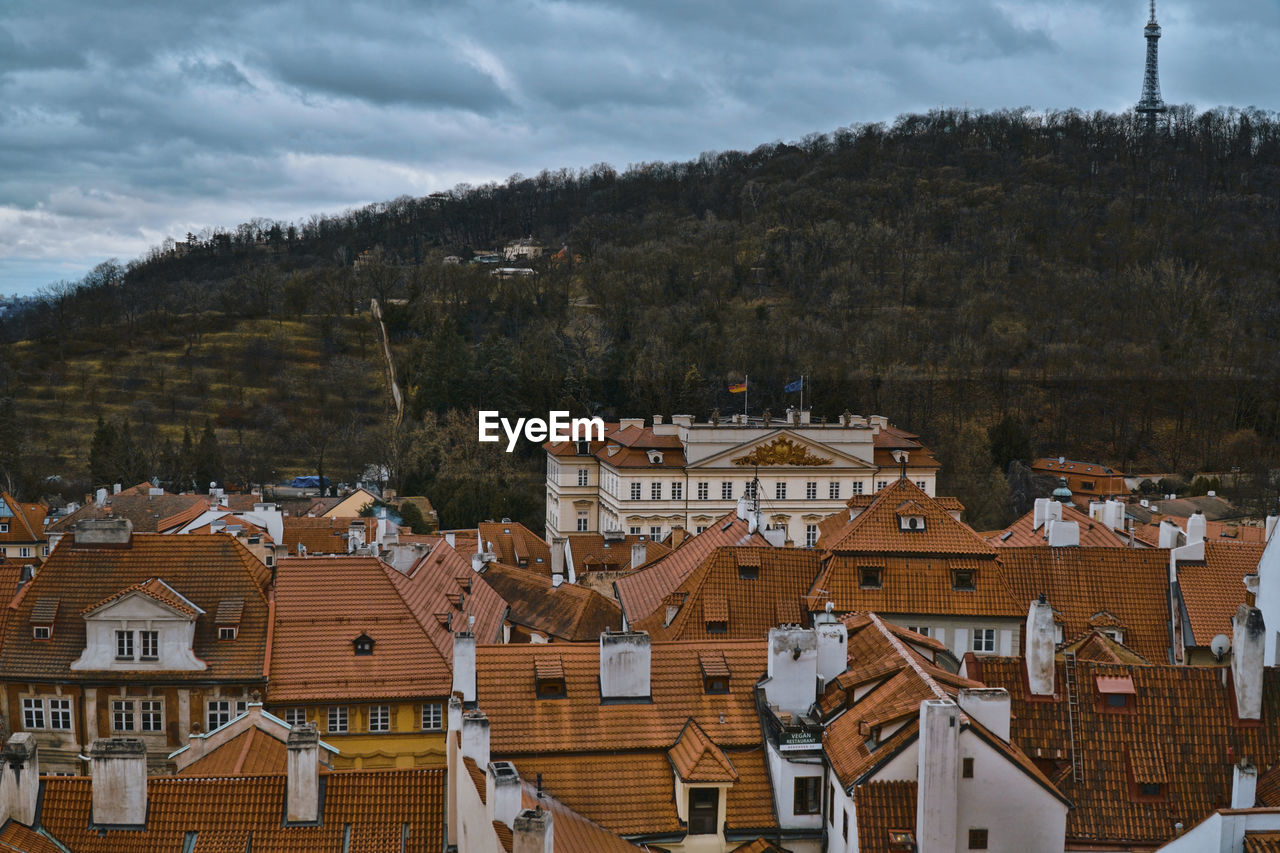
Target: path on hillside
[391,364]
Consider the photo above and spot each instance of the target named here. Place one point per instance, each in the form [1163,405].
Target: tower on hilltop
[1151,104]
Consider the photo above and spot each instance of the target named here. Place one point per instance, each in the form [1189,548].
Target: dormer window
[42,618]
[227,632]
[1117,694]
[363,645]
[548,675]
[715,672]
[748,571]
[870,577]
[964,580]
[41,632]
[227,618]
[911,522]
[655,457]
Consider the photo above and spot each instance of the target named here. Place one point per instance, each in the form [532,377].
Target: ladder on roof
[1073,712]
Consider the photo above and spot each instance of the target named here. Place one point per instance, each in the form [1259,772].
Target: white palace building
[651,480]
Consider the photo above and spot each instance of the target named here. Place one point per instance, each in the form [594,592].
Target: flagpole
[802,392]
[746,393]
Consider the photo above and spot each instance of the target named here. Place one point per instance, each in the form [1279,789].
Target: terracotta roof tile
[253,752]
[429,588]
[592,552]
[155,589]
[759,845]
[147,513]
[516,545]
[697,759]
[565,612]
[877,529]
[915,585]
[322,605]
[884,807]
[1261,842]
[1213,589]
[321,535]
[16,838]
[1022,532]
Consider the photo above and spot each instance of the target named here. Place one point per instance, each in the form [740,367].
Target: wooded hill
[1104,292]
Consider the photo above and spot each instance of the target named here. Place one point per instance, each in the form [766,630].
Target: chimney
[103,531]
[1196,528]
[1244,785]
[937,757]
[464,666]
[833,650]
[1271,527]
[557,560]
[504,794]
[638,551]
[454,763]
[1170,533]
[657,420]
[1062,533]
[115,489]
[744,508]
[1246,661]
[475,737]
[990,706]
[1113,515]
[1040,647]
[119,769]
[775,536]
[792,683]
[100,497]
[302,800]
[452,539]
[533,832]
[19,779]
[624,665]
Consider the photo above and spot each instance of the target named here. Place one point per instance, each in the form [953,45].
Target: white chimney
[1063,533]
[464,665]
[452,539]
[119,769]
[1053,512]
[503,795]
[937,760]
[744,508]
[990,706]
[624,665]
[302,800]
[1197,528]
[454,762]
[475,737]
[1040,646]
[1271,526]
[533,832]
[557,560]
[1244,785]
[1170,534]
[100,497]
[19,779]
[116,489]
[833,650]
[775,536]
[792,683]
[1040,512]
[638,552]
[1249,636]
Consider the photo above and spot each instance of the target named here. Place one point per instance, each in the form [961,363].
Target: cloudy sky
[123,122]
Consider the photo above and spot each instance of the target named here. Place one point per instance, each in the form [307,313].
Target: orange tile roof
[759,845]
[1021,533]
[1097,646]
[573,832]
[1213,589]
[520,723]
[592,552]
[516,545]
[1181,728]
[205,568]
[1261,842]
[153,588]
[883,807]
[147,513]
[322,605]
[749,608]
[1082,583]
[877,528]
[376,805]
[444,593]
[26,521]
[253,752]
[696,758]
[915,585]
[17,838]
[565,612]
[642,592]
[321,535]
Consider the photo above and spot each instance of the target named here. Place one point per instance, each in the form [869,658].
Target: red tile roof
[16,838]
[877,529]
[322,535]
[322,605]
[592,552]
[565,612]
[915,585]
[1213,589]
[1022,533]
[884,807]
[444,593]
[253,752]
[642,592]
[147,513]
[516,545]
[696,758]
[26,520]
[153,588]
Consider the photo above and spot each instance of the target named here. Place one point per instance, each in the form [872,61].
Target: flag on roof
[738,388]
[793,386]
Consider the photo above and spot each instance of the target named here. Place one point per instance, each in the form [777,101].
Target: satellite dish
[1220,646]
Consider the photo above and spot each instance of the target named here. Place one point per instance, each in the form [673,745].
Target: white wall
[1001,798]
[1268,599]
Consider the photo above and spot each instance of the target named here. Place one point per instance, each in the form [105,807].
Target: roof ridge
[913,663]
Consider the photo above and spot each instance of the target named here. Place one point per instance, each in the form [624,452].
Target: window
[966,768]
[582,521]
[431,717]
[977,839]
[984,640]
[655,491]
[922,486]
[337,719]
[750,490]
[845,827]
[1150,789]
[219,713]
[41,632]
[831,798]
[833,490]
[1088,485]
[963,579]
[655,532]
[295,716]
[380,718]
[857,487]
[4,527]
[44,550]
[24,551]
[122,716]
[704,810]
[362,646]
[717,627]
[149,645]
[810,535]
[811,491]
[634,530]
[704,491]
[870,577]
[700,528]
[780,491]
[550,688]
[124,645]
[60,714]
[33,713]
[227,632]
[715,684]
[880,484]
[635,491]
[677,491]
[583,476]
[726,491]
[152,715]
[922,630]
[748,571]
[806,795]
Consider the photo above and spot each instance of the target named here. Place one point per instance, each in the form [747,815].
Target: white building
[650,480]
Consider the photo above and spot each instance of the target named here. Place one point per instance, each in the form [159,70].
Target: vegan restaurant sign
[557,426]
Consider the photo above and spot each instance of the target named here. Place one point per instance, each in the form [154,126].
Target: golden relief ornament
[781,451]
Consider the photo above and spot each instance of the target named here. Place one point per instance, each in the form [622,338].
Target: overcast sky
[123,122]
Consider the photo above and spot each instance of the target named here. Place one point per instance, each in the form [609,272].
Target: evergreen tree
[208,461]
[103,451]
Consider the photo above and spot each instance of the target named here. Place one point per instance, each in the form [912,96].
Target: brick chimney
[533,832]
[937,766]
[792,684]
[624,665]
[119,770]
[19,779]
[464,665]
[1246,660]
[1040,647]
[302,802]
[503,792]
